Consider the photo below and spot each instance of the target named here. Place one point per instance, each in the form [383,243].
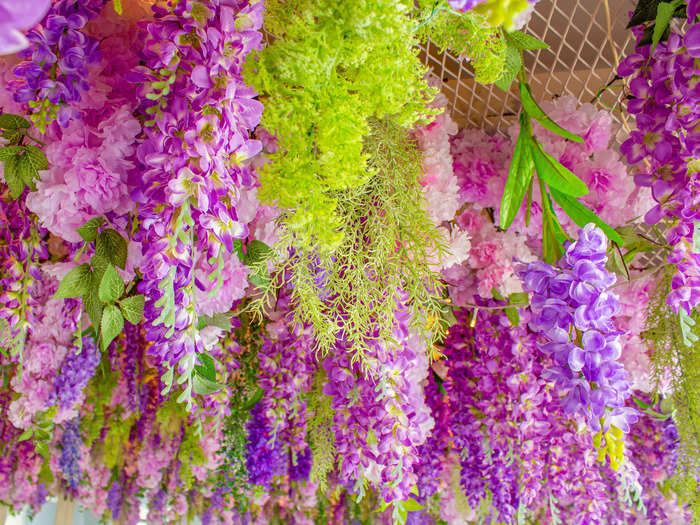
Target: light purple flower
[16,16]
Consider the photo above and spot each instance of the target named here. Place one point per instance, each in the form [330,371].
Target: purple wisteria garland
[665,102]
[199,114]
[54,76]
[573,308]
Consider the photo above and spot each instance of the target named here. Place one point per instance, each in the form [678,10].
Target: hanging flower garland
[253,271]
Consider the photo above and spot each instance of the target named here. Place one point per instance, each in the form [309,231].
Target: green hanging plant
[331,66]
[388,244]
[676,357]
[467,35]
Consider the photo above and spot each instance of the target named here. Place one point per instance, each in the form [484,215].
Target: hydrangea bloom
[88,173]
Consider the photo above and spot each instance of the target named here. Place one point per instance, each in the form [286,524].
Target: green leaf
[99,265]
[616,264]
[118,7]
[112,247]
[519,178]
[520,298]
[513,64]
[696,237]
[256,279]
[523,41]
[91,301]
[8,121]
[557,175]
[112,324]
[513,316]
[552,249]
[222,321]
[26,170]
[12,177]
[36,157]
[687,324]
[75,283]
[111,286]
[203,386]
[412,505]
[528,205]
[89,230]
[132,308]
[207,369]
[582,215]
[24,436]
[632,241]
[664,13]
[256,251]
[534,111]
[9,151]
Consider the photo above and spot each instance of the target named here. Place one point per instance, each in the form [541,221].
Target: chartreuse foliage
[331,66]
[465,34]
[676,356]
[555,182]
[495,55]
[387,245]
[320,432]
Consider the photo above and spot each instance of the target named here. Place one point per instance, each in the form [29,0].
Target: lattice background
[585,45]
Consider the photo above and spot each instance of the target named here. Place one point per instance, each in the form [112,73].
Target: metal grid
[581,60]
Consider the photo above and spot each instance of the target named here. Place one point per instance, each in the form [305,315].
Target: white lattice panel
[585,45]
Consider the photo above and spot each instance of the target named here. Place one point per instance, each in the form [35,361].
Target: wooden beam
[64,512]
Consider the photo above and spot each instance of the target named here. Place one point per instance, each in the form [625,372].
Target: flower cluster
[352,370]
[21,253]
[193,165]
[664,103]
[380,415]
[515,444]
[653,449]
[54,76]
[573,310]
[70,453]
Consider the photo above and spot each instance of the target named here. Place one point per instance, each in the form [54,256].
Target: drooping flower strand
[380,416]
[653,449]
[572,310]
[287,368]
[199,113]
[54,74]
[515,443]
[666,145]
[21,252]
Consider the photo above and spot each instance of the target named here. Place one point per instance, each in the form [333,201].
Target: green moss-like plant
[331,67]
[387,245]
[465,34]
[677,359]
[320,433]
